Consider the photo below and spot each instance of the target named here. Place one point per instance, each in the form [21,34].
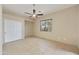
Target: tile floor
[35,46]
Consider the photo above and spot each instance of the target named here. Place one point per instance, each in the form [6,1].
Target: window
[13,30]
[46,25]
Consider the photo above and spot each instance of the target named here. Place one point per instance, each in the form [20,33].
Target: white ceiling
[19,9]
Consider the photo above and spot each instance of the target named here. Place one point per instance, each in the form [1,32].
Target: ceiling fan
[34,15]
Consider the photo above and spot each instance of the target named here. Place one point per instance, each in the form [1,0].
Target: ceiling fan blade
[34,11]
[27,13]
[40,14]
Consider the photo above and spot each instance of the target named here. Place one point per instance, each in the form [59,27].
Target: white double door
[12,30]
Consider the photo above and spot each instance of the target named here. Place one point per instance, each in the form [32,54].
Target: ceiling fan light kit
[34,15]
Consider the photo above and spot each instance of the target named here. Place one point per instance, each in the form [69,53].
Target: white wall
[1,29]
[64,26]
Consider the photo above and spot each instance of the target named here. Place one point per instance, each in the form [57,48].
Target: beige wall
[78,26]
[64,26]
[28,28]
[1,29]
